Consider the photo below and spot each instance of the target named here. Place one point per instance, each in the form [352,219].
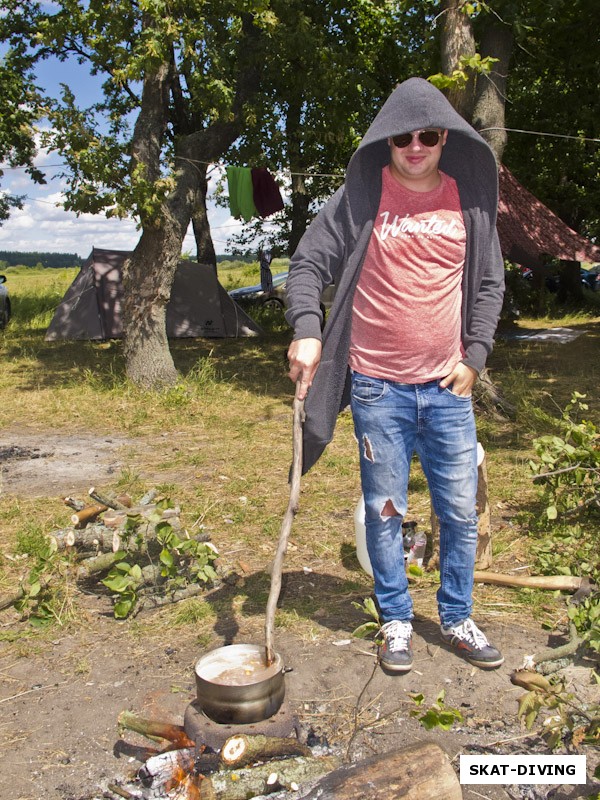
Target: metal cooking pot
[234,685]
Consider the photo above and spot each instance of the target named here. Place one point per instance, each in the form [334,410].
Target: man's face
[416,165]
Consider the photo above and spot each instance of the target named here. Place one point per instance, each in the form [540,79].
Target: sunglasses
[428,138]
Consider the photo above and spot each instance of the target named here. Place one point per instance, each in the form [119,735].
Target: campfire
[250,763]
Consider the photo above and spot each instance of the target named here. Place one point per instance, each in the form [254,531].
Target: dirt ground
[59,702]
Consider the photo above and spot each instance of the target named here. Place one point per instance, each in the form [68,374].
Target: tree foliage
[554,87]
[17,138]
[328,70]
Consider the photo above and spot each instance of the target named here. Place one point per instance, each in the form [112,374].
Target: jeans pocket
[367,390]
[460,397]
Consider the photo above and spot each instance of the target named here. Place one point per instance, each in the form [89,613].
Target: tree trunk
[300,197]
[147,281]
[457,39]
[490,95]
[205,249]
[570,282]
[148,275]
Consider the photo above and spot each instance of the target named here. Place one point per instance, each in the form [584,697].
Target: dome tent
[199,305]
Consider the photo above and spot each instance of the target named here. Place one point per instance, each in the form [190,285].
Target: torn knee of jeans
[368,450]
[389,509]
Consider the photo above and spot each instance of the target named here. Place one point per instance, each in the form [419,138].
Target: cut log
[154,729]
[73,503]
[87,514]
[483,554]
[105,499]
[420,772]
[91,538]
[93,566]
[150,495]
[240,750]
[565,583]
[161,769]
[193,590]
[241,784]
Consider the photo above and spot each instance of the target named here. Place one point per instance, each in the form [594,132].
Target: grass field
[223,433]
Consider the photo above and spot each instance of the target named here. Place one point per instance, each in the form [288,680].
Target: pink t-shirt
[406,317]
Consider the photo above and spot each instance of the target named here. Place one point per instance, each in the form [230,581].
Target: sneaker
[396,653]
[472,643]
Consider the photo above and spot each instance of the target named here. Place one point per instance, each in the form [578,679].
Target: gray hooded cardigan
[333,248]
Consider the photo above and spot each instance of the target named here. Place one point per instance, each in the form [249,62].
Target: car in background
[256,295]
[4,303]
[590,278]
[276,298]
[551,280]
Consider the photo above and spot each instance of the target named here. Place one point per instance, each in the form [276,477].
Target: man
[411,244]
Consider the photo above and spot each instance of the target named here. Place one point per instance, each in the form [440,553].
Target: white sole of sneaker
[395,667]
[485,664]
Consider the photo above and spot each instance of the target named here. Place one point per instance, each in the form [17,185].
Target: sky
[42,225]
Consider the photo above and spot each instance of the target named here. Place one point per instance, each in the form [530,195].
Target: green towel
[241,199]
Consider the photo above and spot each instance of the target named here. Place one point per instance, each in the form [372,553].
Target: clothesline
[221,164]
[541,133]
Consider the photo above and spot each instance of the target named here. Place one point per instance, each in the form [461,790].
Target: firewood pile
[258,766]
[139,551]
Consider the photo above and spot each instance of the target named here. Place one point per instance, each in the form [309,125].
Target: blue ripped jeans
[392,421]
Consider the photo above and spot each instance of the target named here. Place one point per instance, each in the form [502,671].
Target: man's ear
[444,136]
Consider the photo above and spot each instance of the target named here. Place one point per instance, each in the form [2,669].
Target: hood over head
[416,104]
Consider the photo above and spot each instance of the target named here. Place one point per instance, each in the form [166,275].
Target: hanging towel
[267,197]
[239,184]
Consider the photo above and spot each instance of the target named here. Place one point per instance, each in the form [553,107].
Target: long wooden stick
[286,528]
[566,583]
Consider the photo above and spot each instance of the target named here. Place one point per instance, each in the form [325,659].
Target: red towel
[267,197]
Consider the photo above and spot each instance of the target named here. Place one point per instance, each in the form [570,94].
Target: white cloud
[43,225]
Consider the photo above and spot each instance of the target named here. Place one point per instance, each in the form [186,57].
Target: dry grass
[220,444]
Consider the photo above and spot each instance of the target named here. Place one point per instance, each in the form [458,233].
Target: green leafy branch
[438,715]
[467,66]
[182,561]
[571,722]
[568,465]
[372,627]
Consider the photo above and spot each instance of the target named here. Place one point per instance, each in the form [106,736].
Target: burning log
[178,773]
[420,772]
[289,773]
[240,750]
[163,768]
[155,730]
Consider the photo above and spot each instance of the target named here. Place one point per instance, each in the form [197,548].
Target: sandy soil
[59,703]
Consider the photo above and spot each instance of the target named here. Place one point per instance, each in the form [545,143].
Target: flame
[183,785]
